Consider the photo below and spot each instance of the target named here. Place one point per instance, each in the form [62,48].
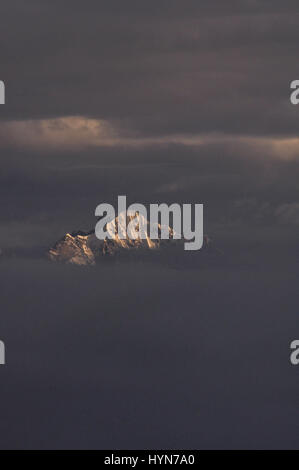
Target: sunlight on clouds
[76,133]
[65,132]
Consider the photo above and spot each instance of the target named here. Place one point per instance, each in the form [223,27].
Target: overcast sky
[168,100]
[154,69]
[162,101]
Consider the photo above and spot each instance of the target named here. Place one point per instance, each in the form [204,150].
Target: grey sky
[163,101]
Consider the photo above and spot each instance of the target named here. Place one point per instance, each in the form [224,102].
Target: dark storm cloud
[143,356]
[45,196]
[173,90]
[164,101]
[155,68]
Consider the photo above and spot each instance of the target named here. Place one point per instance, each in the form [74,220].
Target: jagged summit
[83,248]
[73,248]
